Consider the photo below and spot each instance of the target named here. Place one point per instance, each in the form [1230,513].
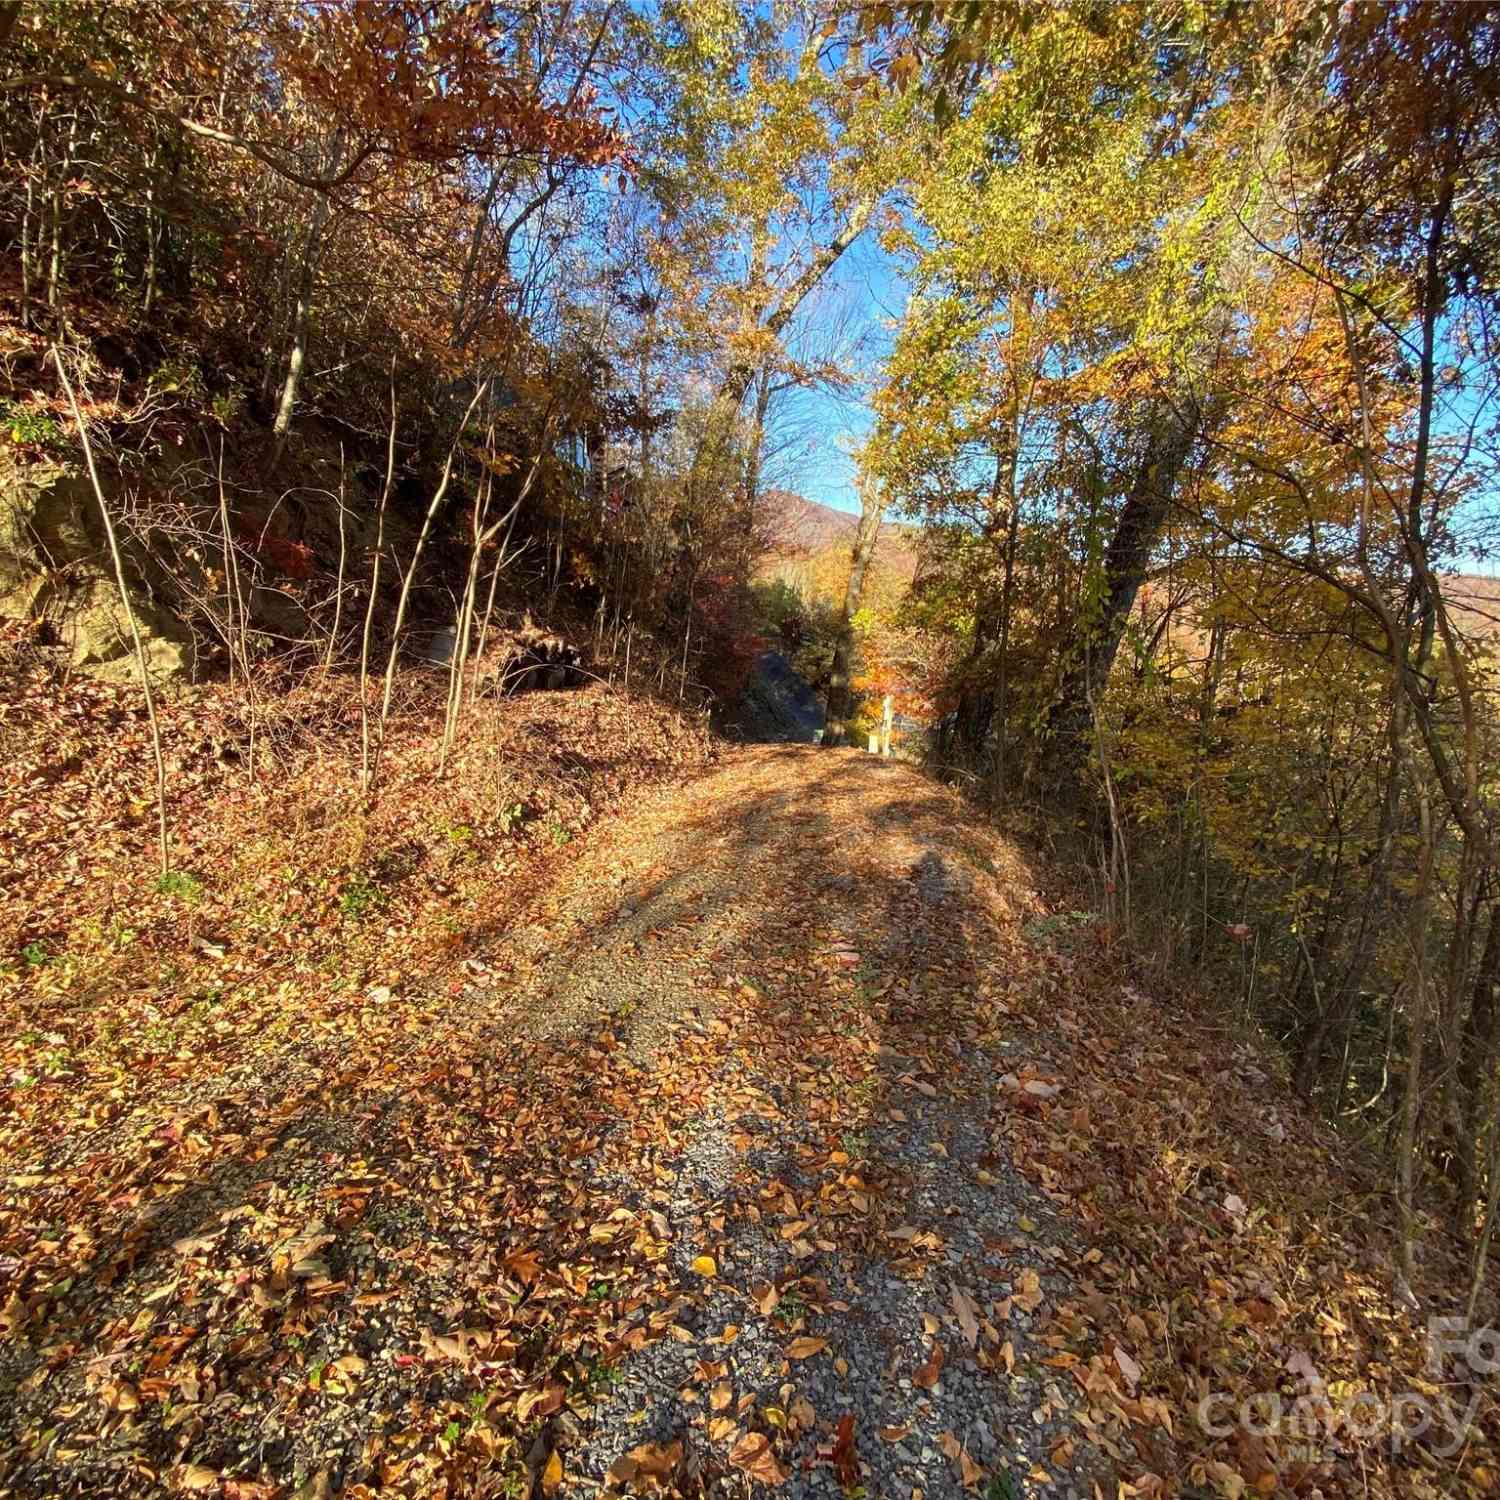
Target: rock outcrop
[54,565]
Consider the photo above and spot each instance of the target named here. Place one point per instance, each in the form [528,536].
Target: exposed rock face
[290,544]
[54,564]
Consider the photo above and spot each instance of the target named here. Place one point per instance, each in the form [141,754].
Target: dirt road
[689,1170]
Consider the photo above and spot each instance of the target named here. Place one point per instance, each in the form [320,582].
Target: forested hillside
[438,1057]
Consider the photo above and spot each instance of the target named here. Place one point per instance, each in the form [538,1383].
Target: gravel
[731,879]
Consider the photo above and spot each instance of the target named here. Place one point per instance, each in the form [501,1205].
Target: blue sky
[869,286]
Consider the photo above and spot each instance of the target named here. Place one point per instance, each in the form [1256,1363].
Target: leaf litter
[645,1185]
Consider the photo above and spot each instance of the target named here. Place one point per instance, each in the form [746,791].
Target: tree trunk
[366,771]
[300,320]
[1417,1012]
[756,449]
[404,597]
[740,375]
[1476,1062]
[1095,643]
[840,699]
[1007,596]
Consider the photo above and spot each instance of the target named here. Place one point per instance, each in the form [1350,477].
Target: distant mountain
[798,527]
[795,524]
[1474,599]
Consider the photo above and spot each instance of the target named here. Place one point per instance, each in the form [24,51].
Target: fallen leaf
[13,1315]
[753,1455]
[967,1313]
[651,1461]
[541,1403]
[927,1375]
[553,1473]
[805,1347]
[1029,1290]
[845,1461]
[705,1265]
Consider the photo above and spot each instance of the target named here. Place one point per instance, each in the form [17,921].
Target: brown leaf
[525,1265]
[539,1403]
[120,1395]
[1029,1290]
[753,1455]
[927,1375]
[967,1313]
[845,1461]
[805,1347]
[652,1462]
[721,1395]
[13,1315]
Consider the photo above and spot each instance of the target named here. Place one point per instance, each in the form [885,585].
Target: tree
[840,698]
